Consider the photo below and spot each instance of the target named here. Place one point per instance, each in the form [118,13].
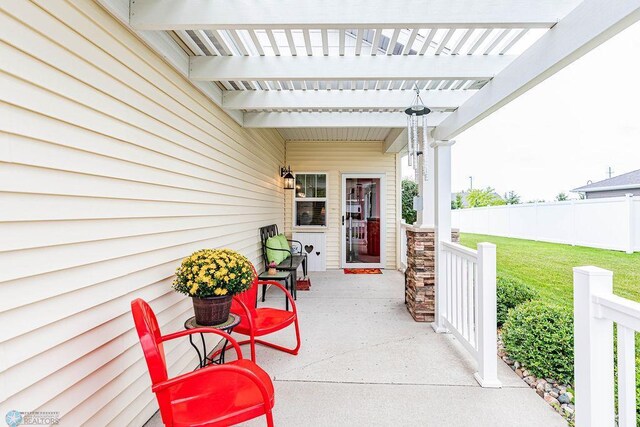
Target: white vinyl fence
[467,303]
[609,223]
[596,309]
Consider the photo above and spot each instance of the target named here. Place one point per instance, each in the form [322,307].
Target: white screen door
[363,222]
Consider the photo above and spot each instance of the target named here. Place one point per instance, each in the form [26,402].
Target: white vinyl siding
[113,168]
[336,158]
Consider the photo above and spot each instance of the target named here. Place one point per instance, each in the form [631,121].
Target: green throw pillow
[274,255]
[284,244]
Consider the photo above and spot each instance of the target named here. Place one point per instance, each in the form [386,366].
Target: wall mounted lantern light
[285,172]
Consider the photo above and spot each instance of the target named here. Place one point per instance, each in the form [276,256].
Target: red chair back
[150,339]
[248,297]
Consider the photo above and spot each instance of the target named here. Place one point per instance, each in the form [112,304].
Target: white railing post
[593,349]
[626,377]
[487,375]
[442,162]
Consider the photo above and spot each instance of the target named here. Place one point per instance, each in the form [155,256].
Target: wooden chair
[257,322]
[217,395]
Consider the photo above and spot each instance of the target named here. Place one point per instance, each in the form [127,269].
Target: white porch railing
[358,230]
[596,308]
[468,304]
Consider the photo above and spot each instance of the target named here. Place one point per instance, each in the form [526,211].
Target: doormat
[303,284]
[362,271]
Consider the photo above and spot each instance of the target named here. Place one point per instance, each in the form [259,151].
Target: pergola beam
[331,119]
[590,24]
[338,14]
[396,141]
[380,67]
[339,99]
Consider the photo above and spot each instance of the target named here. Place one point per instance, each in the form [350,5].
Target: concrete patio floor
[365,362]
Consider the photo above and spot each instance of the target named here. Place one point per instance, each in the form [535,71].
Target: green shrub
[540,336]
[409,191]
[511,293]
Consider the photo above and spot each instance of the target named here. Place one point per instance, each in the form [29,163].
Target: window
[310,202]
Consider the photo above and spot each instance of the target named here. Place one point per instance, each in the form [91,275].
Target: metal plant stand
[216,355]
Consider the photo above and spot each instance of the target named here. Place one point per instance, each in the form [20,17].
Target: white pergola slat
[455,49]
[332,119]
[297,14]
[367,67]
[590,24]
[339,99]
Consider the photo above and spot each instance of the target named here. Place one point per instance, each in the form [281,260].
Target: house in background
[628,183]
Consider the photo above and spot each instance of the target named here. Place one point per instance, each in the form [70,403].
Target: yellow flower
[194,289]
[218,291]
[232,275]
[224,292]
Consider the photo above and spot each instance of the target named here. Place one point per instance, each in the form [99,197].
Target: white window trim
[311,199]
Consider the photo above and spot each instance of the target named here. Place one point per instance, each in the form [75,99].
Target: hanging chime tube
[414,130]
[425,149]
[409,141]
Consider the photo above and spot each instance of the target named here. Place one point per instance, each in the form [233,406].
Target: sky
[567,130]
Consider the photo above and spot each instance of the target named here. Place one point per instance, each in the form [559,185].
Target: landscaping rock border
[555,394]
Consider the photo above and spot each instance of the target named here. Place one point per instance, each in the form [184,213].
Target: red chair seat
[265,321]
[235,396]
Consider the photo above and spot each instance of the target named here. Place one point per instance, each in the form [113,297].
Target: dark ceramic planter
[212,310]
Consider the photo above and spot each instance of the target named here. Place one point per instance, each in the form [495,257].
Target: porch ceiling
[335,134]
[292,65]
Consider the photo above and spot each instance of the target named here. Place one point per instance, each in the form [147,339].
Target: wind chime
[417,136]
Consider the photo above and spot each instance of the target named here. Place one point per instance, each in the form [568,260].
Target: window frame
[311,199]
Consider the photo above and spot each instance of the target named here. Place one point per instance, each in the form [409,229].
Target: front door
[363,231]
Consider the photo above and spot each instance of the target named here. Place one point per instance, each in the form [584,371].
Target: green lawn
[548,266]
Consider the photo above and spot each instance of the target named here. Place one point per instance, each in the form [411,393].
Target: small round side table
[208,358]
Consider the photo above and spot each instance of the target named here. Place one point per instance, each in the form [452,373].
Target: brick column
[420,276]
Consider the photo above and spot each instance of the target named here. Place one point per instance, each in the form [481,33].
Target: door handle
[342,219]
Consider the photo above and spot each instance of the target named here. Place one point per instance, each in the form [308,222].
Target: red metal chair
[217,395]
[257,322]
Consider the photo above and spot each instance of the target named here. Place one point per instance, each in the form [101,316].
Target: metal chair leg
[294,285]
[286,286]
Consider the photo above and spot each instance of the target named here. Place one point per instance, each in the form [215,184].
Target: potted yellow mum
[211,277]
